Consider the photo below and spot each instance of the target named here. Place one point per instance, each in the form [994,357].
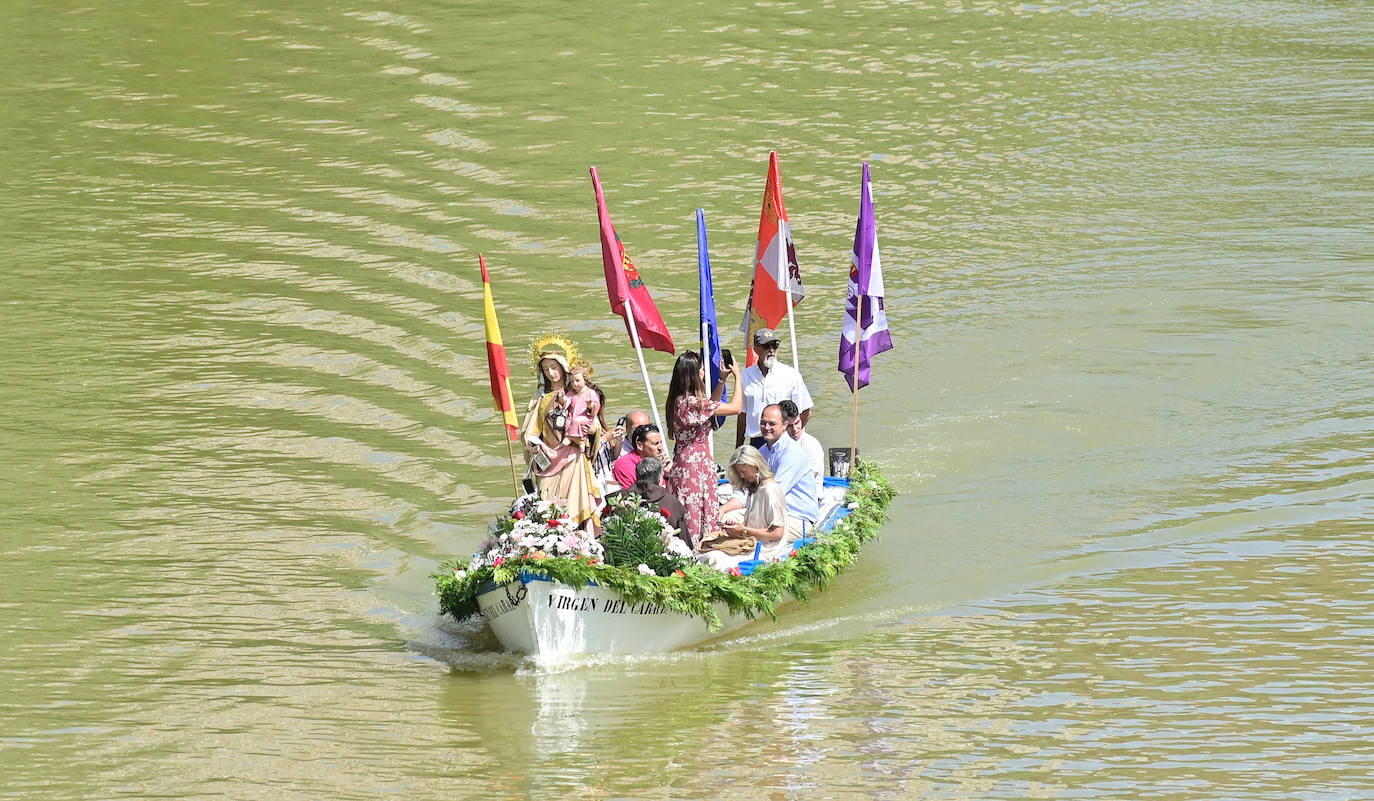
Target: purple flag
[866,282]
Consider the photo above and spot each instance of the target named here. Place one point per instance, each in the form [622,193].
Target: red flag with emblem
[626,289]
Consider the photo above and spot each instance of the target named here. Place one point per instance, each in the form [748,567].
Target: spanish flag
[504,402]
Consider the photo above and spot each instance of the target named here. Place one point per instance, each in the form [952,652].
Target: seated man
[645,441]
[815,454]
[633,420]
[787,459]
[649,487]
[614,444]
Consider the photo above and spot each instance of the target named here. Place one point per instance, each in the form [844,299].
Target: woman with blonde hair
[690,414]
[764,518]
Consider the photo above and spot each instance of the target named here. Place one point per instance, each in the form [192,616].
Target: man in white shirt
[815,454]
[767,382]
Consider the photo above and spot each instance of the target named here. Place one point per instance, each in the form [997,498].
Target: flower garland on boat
[534,530]
[639,557]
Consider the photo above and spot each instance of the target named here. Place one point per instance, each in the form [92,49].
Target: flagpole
[858,338]
[791,329]
[500,372]
[515,482]
[706,363]
[639,351]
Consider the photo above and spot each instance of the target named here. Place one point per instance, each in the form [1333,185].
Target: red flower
[679,573]
[734,571]
[553,523]
[663,510]
[519,515]
[794,552]
[498,561]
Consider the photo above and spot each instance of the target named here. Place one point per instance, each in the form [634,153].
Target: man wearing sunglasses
[766,382]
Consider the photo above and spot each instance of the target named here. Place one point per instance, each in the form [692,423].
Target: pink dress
[568,480]
[582,410]
[692,476]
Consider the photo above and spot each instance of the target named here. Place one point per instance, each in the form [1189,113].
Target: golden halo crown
[552,343]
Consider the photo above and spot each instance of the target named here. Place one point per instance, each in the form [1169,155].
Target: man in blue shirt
[792,470]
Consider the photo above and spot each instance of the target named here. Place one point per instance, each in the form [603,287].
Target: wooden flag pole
[514,480]
[858,340]
[500,372]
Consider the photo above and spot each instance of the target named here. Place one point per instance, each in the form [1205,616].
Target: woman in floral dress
[690,413]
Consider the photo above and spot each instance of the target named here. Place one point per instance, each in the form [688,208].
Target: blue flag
[710,335]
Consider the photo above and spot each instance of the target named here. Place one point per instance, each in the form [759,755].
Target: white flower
[676,547]
[459,573]
[645,569]
[853,505]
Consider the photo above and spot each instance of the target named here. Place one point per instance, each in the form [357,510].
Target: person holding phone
[691,414]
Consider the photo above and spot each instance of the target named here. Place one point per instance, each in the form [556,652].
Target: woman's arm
[735,404]
[771,534]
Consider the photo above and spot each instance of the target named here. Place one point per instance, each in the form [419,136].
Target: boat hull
[548,619]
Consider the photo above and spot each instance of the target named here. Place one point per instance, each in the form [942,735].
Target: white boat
[549,620]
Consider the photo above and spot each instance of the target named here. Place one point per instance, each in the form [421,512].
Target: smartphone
[621,422]
[726,359]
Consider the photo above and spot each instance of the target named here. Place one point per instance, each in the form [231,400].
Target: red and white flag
[776,274]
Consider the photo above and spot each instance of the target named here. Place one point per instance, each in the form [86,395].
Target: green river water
[1130,277]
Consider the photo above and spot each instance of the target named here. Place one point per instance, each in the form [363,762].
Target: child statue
[583,407]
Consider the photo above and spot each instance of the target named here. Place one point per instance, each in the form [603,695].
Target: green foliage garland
[694,589]
[633,534]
